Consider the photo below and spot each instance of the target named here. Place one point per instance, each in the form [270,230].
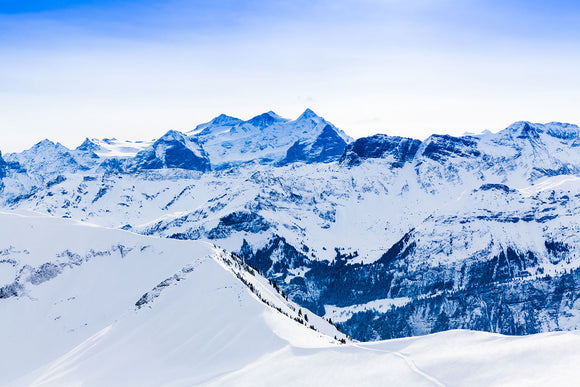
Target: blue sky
[134,69]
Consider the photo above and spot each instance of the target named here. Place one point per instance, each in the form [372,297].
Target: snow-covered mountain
[269,137]
[389,237]
[87,305]
[173,150]
[47,157]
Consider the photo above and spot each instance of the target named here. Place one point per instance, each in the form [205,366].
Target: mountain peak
[225,120]
[266,119]
[217,122]
[44,143]
[533,131]
[47,145]
[172,135]
[173,150]
[525,130]
[88,146]
[308,113]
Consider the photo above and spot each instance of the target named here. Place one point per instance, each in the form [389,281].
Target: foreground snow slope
[451,358]
[85,305]
[94,306]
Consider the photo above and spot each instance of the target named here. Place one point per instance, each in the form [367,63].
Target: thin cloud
[135,69]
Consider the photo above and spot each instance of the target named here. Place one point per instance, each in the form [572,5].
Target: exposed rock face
[441,148]
[3,167]
[397,149]
[173,150]
[325,148]
[89,146]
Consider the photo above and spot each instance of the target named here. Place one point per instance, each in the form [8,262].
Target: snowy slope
[99,307]
[85,304]
[111,147]
[453,358]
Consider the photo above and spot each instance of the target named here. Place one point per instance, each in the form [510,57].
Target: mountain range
[385,236]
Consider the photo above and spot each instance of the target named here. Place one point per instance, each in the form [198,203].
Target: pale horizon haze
[135,69]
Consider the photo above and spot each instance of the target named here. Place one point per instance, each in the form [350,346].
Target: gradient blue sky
[134,69]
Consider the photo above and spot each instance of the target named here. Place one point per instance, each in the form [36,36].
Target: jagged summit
[267,138]
[266,119]
[523,130]
[310,121]
[224,119]
[173,150]
[327,147]
[48,157]
[89,146]
[527,129]
[172,135]
[308,113]
[46,143]
[218,124]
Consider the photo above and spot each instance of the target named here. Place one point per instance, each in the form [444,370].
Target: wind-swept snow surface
[83,305]
[452,358]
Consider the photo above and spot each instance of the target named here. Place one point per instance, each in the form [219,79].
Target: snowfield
[96,306]
[83,305]
[451,358]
